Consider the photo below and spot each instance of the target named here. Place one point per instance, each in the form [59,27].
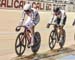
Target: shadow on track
[48,55]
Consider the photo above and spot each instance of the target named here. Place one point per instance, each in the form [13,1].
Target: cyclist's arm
[63,14]
[52,19]
[35,15]
[22,18]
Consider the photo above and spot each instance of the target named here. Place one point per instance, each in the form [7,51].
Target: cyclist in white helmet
[31,22]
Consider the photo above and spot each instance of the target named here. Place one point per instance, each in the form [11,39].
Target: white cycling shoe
[30,44]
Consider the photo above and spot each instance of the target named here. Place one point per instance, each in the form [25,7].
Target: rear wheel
[52,39]
[37,42]
[20,44]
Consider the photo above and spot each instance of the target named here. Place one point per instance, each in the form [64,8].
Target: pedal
[29,45]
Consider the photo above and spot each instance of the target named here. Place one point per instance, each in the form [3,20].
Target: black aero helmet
[56,9]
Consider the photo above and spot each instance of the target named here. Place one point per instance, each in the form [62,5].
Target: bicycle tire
[37,42]
[52,39]
[20,44]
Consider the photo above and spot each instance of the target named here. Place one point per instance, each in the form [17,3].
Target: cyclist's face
[27,12]
[56,13]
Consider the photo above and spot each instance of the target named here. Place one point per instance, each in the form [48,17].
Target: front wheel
[62,41]
[52,39]
[37,42]
[20,44]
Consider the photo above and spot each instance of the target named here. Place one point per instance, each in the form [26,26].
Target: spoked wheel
[37,42]
[20,44]
[52,39]
[62,41]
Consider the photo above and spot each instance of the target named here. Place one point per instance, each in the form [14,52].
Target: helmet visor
[27,10]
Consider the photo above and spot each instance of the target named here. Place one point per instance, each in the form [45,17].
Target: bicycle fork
[22,39]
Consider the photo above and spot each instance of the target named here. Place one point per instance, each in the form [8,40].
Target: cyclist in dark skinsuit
[59,18]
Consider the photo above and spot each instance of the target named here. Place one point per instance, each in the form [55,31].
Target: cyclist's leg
[28,35]
[63,24]
[30,29]
[27,25]
[31,25]
[32,35]
[57,28]
[57,32]
[61,29]
[61,33]
[34,23]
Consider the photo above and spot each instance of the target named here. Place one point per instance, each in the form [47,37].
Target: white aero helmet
[27,7]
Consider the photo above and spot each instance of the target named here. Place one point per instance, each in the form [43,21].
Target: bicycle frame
[22,41]
[56,29]
[25,30]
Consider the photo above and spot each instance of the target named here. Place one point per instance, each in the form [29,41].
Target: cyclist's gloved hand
[48,25]
[17,28]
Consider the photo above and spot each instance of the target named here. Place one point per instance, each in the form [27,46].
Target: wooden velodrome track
[9,20]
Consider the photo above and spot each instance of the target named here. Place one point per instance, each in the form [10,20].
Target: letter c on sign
[16,4]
